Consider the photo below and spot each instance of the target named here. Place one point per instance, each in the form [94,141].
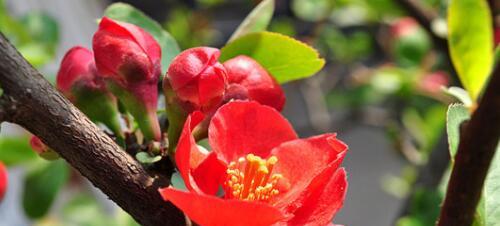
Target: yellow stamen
[251,179]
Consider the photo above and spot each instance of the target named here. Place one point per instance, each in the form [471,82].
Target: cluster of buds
[199,81]
[125,67]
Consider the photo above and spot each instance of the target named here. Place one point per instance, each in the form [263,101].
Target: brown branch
[478,142]
[30,101]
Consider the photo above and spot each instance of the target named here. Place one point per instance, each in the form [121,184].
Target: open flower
[269,175]
[247,79]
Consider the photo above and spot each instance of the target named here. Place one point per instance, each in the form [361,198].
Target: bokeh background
[380,91]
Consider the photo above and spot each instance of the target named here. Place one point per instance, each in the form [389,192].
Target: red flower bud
[3,180]
[197,78]
[247,77]
[497,36]
[37,145]
[129,59]
[42,150]
[78,80]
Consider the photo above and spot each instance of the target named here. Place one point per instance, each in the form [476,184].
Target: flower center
[251,179]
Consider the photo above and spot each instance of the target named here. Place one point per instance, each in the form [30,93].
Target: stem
[478,142]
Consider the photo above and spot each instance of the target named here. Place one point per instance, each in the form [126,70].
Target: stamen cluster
[251,179]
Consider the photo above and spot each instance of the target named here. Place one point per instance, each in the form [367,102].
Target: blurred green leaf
[15,150]
[42,28]
[146,158]
[312,10]
[36,53]
[284,57]
[41,187]
[457,113]
[257,20]
[127,13]
[471,42]
[411,49]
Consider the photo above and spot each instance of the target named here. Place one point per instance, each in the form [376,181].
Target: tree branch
[478,142]
[30,101]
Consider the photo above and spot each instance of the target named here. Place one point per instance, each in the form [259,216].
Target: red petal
[239,128]
[212,211]
[300,161]
[201,172]
[326,196]
[210,174]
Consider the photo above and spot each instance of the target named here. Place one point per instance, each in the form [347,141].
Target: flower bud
[247,79]
[42,150]
[197,79]
[3,180]
[78,80]
[129,60]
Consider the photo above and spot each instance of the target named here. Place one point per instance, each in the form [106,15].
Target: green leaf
[457,113]
[312,10]
[127,13]
[42,28]
[284,57]
[41,187]
[471,42]
[15,150]
[460,94]
[257,20]
[146,158]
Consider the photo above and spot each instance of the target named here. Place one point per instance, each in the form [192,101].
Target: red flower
[78,81]
[3,180]
[129,58]
[248,80]
[269,175]
[197,79]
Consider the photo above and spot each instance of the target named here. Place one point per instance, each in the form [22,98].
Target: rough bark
[30,101]
[478,141]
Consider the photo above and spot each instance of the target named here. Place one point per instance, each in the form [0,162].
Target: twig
[30,101]
[478,142]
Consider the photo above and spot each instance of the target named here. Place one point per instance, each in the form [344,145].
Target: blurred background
[380,91]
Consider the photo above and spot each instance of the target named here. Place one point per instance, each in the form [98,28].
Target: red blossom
[3,180]
[197,79]
[247,79]
[269,175]
[129,59]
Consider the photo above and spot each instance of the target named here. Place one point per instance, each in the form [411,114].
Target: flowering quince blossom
[269,175]
[3,180]
[129,60]
[197,78]
[78,81]
[247,79]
